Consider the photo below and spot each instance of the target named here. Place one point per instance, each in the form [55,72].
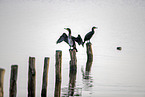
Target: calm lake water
[32,27]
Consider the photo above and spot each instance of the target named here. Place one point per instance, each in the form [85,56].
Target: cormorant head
[68,29]
[94,27]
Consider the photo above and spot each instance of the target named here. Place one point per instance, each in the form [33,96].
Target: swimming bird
[119,48]
[89,35]
[69,39]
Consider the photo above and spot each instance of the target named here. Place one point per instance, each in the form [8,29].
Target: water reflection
[77,92]
[72,90]
[72,82]
[87,79]
[88,83]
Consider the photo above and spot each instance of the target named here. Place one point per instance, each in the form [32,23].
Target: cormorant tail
[83,43]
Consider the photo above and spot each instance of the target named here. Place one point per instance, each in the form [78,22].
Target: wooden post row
[73,61]
[13,81]
[89,58]
[31,77]
[58,63]
[72,72]
[2,72]
[45,77]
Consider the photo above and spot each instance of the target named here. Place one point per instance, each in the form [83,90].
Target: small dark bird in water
[119,48]
[70,40]
[89,35]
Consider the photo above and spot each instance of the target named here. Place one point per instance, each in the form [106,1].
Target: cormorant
[89,35]
[70,40]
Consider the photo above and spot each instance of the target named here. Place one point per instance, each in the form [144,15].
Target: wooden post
[58,73]
[89,58]
[45,77]
[13,81]
[73,72]
[31,77]
[73,61]
[2,72]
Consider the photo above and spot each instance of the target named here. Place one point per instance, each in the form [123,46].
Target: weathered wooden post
[89,58]
[2,72]
[73,61]
[31,77]
[13,81]
[58,73]
[73,72]
[45,77]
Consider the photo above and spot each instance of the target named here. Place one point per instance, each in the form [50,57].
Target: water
[31,28]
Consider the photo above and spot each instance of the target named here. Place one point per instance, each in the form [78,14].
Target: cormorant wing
[78,39]
[63,37]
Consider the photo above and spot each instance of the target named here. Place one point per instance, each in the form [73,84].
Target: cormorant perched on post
[70,40]
[89,35]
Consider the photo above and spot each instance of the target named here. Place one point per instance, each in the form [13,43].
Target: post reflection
[72,90]
[72,82]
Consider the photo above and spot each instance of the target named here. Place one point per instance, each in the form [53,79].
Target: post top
[1,69]
[72,50]
[58,50]
[47,57]
[31,57]
[88,43]
[14,65]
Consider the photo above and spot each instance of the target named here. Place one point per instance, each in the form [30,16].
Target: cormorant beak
[65,28]
[95,27]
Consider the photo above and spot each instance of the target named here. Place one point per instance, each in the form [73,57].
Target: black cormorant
[70,40]
[89,35]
